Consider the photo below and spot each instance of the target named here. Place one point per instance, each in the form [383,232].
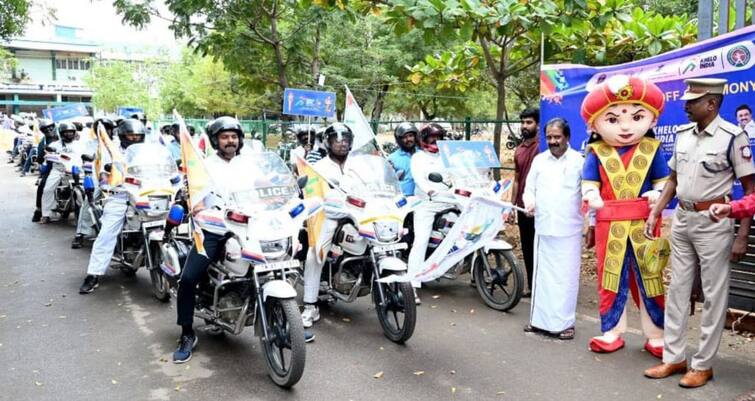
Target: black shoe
[90,283]
[186,344]
[37,216]
[78,241]
[309,336]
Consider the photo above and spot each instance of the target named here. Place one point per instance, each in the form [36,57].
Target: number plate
[288,264]
[156,223]
[158,205]
[386,248]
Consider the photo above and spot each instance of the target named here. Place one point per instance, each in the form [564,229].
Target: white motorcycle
[494,270]
[366,245]
[69,194]
[250,283]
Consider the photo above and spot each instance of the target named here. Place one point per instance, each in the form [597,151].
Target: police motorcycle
[366,246]
[151,181]
[250,283]
[495,274]
[69,194]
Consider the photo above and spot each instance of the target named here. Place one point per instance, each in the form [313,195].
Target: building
[49,71]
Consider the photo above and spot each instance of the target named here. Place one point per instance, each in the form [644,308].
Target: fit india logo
[689,66]
[738,56]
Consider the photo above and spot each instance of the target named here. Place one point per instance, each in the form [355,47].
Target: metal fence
[728,10]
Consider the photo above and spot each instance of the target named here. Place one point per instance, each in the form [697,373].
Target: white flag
[355,119]
[479,223]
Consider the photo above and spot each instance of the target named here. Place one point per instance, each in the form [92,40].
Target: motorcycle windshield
[464,172]
[261,181]
[150,161]
[370,176]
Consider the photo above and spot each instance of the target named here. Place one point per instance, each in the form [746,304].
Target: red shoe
[654,351]
[603,347]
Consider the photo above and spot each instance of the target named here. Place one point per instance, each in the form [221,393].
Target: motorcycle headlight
[386,231]
[276,248]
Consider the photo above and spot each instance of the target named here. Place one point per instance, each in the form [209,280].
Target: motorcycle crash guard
[391,263]
[278,289]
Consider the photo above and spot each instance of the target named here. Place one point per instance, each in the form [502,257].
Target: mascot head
[622,109]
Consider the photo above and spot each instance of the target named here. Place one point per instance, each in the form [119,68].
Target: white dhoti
[112,220]
[556,283]
[48,194]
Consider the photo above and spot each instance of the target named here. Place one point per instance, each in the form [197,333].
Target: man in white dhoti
[553,196]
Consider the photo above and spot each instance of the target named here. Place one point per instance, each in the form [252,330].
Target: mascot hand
[593,199]
[652,196]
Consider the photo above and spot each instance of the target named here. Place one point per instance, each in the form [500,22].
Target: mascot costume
[623,176]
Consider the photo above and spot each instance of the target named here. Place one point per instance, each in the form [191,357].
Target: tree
[126,84]
[14,14]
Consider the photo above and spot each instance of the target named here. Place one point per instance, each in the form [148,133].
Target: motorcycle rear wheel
[399,299]
[497,271]
[160,285]
[285,341]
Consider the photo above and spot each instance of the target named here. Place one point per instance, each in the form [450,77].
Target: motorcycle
[513,140]
[69,194]
[151,182]
[495,274]
[366,246]
[250,283]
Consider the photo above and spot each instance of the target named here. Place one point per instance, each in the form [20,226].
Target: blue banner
[129,111]
[65,112]
[730,56]
[479,154]
[302,102]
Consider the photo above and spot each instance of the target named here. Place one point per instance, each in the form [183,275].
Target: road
[116,343]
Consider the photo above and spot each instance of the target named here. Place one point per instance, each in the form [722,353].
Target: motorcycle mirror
[108,167]
[302,181]
[435,177]
[87,158]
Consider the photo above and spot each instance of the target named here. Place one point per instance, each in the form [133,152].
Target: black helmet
[431,129]
[107,123]
[225,123]
[139,116]
[67,131]
[79,126]
[405,128]
[131,126]
[340,130]
[305,131]
[47,127]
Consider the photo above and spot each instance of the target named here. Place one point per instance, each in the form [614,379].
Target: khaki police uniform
[706,164]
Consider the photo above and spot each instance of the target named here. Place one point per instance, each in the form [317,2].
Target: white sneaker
[310,315]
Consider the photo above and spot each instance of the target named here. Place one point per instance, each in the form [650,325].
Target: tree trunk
[316,56]
[277,48]
[379,101]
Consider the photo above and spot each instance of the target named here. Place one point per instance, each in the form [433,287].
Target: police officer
[406,139]
[67,143]
[709,155]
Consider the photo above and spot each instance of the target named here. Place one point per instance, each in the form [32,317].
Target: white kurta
[554,187]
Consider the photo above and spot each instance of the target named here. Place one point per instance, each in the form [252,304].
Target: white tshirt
[422,164]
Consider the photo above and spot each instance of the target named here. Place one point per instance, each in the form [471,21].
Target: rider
[84,226]
[406,139]
[424,162]
[338,140]
[305,137]
[130,132]
[67,132]
[51,135]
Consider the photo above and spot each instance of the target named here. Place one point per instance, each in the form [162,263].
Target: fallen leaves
[419,373]
[436,296]
[39,384]
[346,319]
[113,381]
[378,375]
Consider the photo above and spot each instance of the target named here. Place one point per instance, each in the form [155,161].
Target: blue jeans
[27,164]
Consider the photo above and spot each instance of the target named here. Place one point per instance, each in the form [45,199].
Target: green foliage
[7,63]
[14,14]
[126,84]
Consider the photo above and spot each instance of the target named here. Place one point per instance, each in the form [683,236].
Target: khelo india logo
[738,56]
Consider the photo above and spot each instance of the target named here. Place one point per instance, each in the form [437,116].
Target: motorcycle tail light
[462,192]
[237,217]
[133,181]
[65,157]
[352,200]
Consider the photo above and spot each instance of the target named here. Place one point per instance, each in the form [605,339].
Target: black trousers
[527,234]
[41,187]
[192,273]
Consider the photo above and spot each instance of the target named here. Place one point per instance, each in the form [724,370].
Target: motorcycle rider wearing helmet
[67,143]
[85,225]
[318,151]
[47,128]
[338,140]
[51,135]
[406,139]
[305,137]
[130,132]
[425,161]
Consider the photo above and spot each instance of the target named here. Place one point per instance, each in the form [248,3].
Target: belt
[700,206]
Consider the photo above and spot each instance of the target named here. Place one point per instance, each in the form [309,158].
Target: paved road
[115,344]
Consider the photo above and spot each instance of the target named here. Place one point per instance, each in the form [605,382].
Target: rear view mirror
[435,177]
[87,158]
[302,181]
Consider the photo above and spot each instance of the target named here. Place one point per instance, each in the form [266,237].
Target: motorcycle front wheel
[398,315]
[498,279]
[160,285]
[285,351]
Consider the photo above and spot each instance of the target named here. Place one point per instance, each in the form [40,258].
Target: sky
[99,22]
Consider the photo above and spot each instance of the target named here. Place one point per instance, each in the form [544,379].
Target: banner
[479,223]
[303,102]
[730,56]
[355,119]
[129,111]
[117,161]
[316,188]
[65,112]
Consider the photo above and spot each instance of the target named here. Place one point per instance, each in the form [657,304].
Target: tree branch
[489,59]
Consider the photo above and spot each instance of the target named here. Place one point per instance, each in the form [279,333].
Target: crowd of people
[618,188]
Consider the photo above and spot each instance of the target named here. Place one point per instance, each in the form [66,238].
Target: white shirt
[555,185]
[750,129]
[422,164]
